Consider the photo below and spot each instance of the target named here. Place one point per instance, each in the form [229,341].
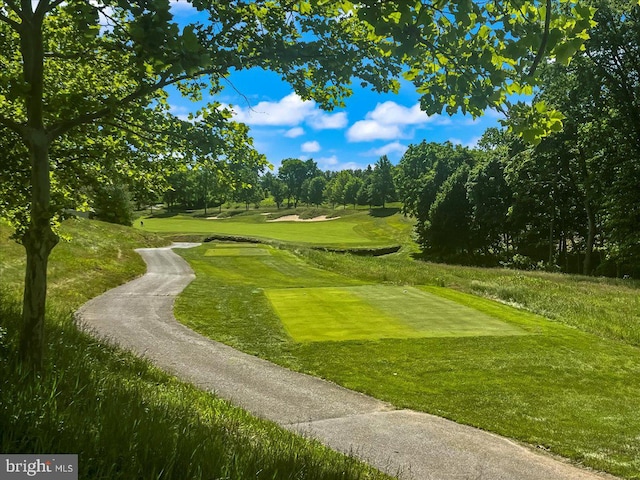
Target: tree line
[296,182]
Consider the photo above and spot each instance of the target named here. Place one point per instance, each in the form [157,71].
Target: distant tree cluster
[296,182]
[302,181]
[214,183]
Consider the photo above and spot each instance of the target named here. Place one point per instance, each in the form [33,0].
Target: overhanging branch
[62,127]
[48,6]
[13,125]
[12,23]
[543,43]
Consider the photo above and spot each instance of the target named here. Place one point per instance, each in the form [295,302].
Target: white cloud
[334,164]
[326,121]
[328,162]
[392,113]
[290,111]
[310,147]
[389,148]
[366,130]
[182,7]
[294,132]
[387,120]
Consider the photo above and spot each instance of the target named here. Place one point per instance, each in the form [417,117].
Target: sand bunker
[296,218]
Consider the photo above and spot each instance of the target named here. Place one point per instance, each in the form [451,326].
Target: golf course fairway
[359,229]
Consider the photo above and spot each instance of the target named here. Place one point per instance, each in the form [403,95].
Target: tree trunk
[591,234]
[38,242]
[591,215]
[551,237]
[39,238]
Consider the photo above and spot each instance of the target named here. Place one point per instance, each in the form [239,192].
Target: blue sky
[371,124]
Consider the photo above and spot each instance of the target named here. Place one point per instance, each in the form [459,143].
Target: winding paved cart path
[139,316]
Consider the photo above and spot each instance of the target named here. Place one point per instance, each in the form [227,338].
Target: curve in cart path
[139,316]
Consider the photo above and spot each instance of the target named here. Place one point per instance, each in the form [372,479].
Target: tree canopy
[570,202]
[79,76]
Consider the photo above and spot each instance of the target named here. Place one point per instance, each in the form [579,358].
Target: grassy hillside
[567,382]
[90,258]
[123,417]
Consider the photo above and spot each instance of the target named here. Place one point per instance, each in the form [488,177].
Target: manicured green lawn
[555,386]
[354,230]
[374,312]
[607,307]
[276,268]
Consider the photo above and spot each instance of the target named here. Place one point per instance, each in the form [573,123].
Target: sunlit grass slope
[124,418]
[359,229]
[557,387]
[90,258]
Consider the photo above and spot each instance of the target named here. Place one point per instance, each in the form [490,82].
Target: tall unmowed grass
[123,417]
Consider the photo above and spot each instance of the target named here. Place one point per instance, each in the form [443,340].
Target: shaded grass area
[559,388]
[357,229]
[125,418]
[242,250]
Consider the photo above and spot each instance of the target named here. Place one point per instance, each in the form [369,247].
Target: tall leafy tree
[249,190]
[599,95]
[336,188]
[276,187]
[293,172]
[73,66]
[383,188]
[352,189]
[613,51]
[490,198]
[421,172]
[315,190]
[448,230]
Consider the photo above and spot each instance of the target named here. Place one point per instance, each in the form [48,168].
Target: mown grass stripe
[374,312]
